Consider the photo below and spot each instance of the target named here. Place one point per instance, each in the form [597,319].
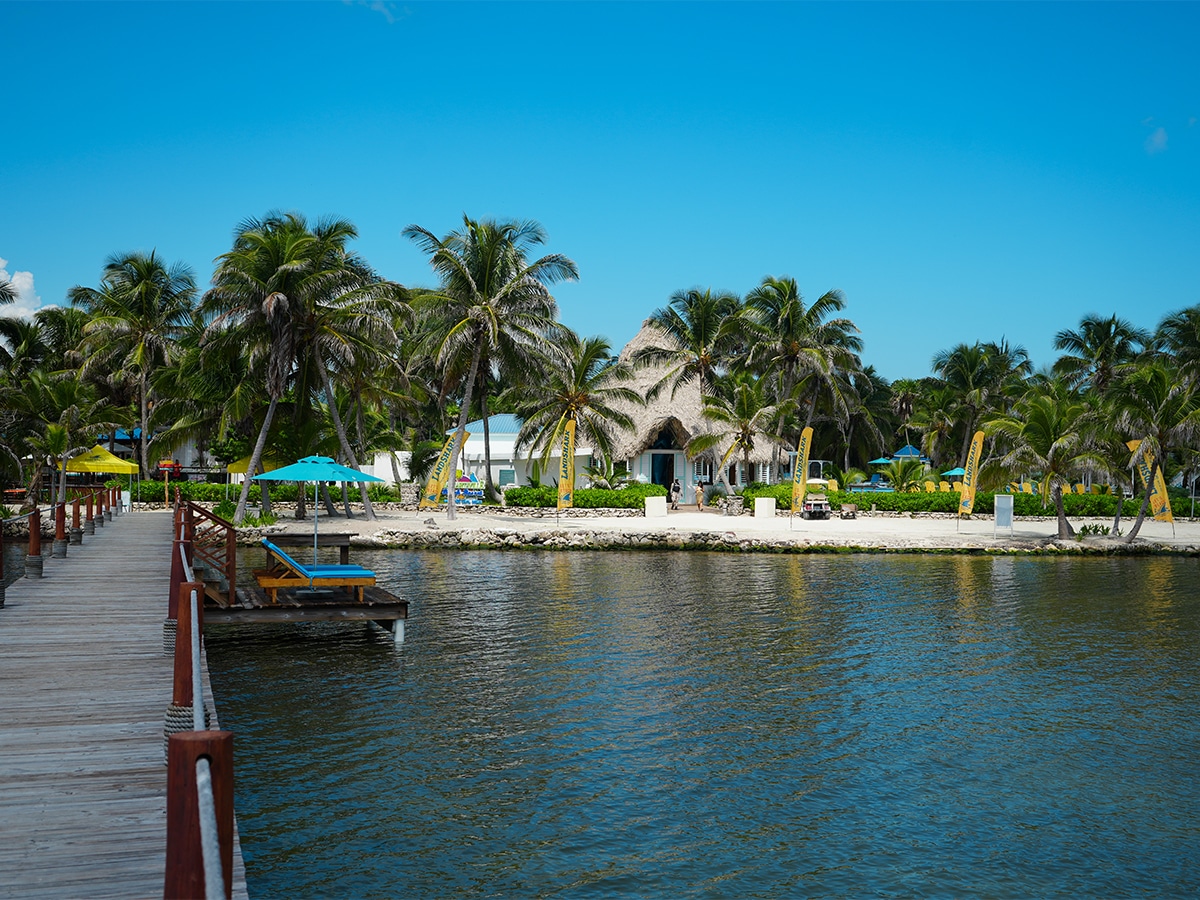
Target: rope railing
[199,761]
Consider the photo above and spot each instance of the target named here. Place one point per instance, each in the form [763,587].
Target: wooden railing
[213,542]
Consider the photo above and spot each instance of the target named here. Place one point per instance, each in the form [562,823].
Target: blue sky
[961,171]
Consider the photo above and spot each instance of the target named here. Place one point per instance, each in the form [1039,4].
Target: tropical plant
[980,378]
[904,474]
[794,343]
[740,410]
[585,385]
[1096,349]
[492,305]
[1047,431]
[296,299]
[1158,407]
[136,316]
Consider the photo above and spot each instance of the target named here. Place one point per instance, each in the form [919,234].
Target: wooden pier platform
[84,687]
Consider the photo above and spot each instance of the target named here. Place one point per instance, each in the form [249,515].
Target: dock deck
[84,687]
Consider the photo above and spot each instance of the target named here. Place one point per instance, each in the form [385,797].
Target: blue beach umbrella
[882,461]
[956,471]
[316,469]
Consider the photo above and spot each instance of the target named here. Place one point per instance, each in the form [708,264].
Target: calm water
[696,725]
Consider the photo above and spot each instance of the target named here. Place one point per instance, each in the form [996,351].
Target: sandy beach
[689,528]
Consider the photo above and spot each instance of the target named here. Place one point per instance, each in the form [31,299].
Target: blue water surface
[720,725]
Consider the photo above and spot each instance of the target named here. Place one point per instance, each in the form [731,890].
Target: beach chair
[1080,489]
[944,487]
[849,511]
[1028,488]
[930,487]
[832,486]
[1096,489]
[291,574]
[956,487]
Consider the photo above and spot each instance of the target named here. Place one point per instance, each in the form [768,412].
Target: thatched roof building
[666,424]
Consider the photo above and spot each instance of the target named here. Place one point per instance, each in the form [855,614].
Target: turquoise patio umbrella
[956,471]
[316,469]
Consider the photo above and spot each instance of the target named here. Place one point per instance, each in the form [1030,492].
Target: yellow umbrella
[239,467]
[99,460]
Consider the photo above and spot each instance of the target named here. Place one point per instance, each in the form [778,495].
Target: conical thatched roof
[682,411]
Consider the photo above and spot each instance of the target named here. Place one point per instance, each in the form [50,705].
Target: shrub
[632,496]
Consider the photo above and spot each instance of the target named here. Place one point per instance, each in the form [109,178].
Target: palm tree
[703,328]
[581,385]
[1047,431]
[1179,336]
[1155,404]
[981,377]
[1096,349]
[739,407]
[137,314]
[8,293]
[294,297]
[493,305]
[792,342]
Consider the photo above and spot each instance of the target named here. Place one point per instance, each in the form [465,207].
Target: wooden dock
[84,687]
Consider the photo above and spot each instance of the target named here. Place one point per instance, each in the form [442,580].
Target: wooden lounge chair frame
[291,574]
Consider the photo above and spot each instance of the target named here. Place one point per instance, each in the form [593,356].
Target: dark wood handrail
[214,541]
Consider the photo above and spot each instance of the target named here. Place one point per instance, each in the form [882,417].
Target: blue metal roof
[501,423]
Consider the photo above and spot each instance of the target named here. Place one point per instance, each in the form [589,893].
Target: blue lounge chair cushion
[322,570]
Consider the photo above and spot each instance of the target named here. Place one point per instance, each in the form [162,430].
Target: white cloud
[1157,142]
[27,302]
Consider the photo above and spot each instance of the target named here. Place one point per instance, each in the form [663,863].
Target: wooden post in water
[58,549]
[76,536]
[33,559]
[185,856]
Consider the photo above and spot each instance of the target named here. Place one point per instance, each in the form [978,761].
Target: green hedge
[630,497]
[1090,505]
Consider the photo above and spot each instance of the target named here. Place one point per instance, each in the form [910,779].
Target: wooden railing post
[185,858]
[100,508]
[33,559]
[181,694]
[58,549]
[76,535]
[1,565]
[89,524]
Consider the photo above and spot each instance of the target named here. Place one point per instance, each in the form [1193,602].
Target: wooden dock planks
[84,687]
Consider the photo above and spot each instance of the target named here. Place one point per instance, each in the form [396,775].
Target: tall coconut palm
[582,384]
[294,297]
[8,292]
[492,303]
[136,316]
[1095,350]
[791,341]
[739,408]
[1156,405]
[981,376]
[704,328]
[1047,431]
[1178,335]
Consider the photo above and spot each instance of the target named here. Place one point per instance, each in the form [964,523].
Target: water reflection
[697,724]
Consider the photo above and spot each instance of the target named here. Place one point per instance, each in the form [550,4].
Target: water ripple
[710,725]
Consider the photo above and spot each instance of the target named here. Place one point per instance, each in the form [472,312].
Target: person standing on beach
[676,493]
[699,496]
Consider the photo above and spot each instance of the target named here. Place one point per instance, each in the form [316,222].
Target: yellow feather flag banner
[440,477]
[800,474]
[566,467]
[1160,503]
[966,502]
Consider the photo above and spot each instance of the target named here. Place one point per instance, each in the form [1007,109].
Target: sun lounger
[291,574]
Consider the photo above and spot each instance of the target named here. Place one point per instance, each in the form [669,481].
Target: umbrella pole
[316,516]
